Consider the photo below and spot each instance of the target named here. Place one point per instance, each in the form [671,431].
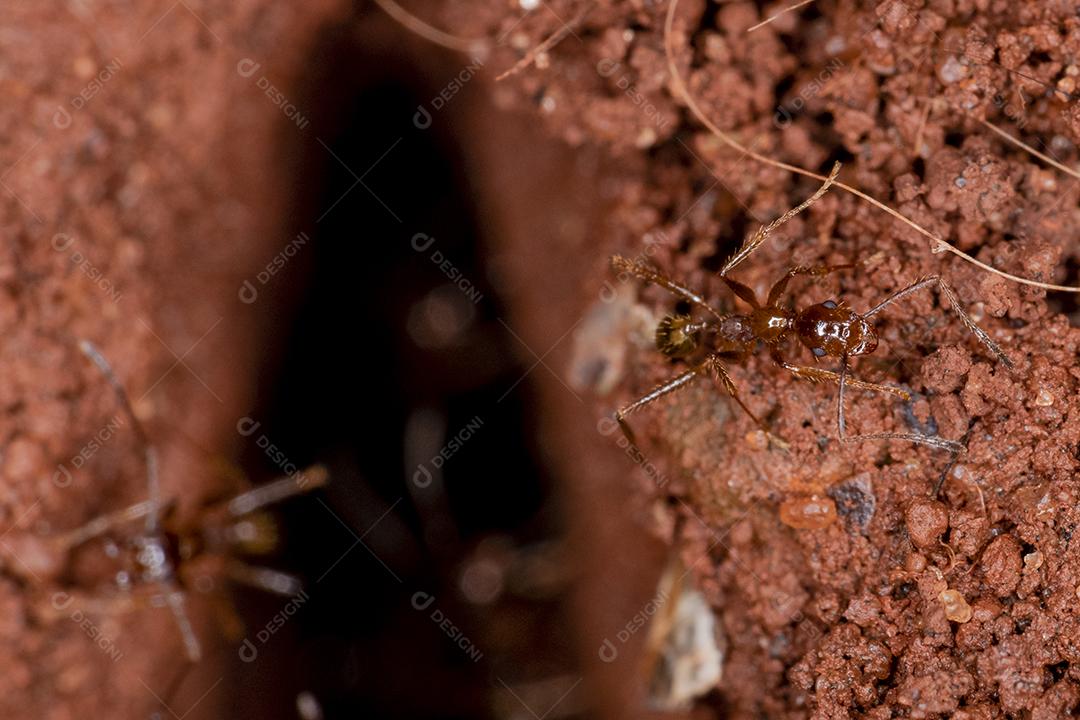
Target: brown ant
[828,329]
[157,562]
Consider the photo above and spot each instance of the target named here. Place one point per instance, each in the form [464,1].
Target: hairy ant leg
[755,239]
[105,523]
[656,393]
[648,273]
[711,365]
[277,491]
[742,291]
[721,376]
[954,301]
[930,440]
[266,579]
[814,374]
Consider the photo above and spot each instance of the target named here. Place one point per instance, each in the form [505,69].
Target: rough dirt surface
[134,160]
[843,587]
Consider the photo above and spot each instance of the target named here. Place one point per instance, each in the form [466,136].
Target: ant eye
[831,304]
[818,351]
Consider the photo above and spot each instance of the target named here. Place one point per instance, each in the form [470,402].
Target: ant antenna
[152,550]
[278,490]
[153,483]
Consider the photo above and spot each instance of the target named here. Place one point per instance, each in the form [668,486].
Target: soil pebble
[1002,563]
[927,521]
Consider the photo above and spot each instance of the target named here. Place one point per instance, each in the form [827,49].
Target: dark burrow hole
[1067,303]
[385,334]
[1058,670]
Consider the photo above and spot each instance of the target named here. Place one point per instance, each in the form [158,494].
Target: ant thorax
[771,324]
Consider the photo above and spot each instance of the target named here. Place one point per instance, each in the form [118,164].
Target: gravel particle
[926,521]
[1002,563]
[956,607]
[811,512]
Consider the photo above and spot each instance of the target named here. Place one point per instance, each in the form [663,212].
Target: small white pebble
[529,5]
[307,707]
[1044,399]
[645,138]
[951,71]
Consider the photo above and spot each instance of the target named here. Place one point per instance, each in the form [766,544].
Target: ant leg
[816,270]
[742,291]
[956,306]
[174,598]
[930,440]
[281,489]
[104,523]
[754,240]
[265,579]
[711,363]
[650,274]
[814,374]
[152,482]
[656,393]
[720,374]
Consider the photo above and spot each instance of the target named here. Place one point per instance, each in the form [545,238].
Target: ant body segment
[156,554]
[828,329]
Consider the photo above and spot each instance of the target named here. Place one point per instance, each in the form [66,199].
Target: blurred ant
[157,562]
[828,329]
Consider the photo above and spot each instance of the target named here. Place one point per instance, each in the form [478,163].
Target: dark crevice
[365,339]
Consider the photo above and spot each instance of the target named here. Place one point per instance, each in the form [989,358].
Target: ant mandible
[828,329]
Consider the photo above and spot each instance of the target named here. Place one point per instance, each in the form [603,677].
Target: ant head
[830,329]
[673,338]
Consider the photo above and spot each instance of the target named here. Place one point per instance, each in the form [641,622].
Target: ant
[158,561]
[828,329]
